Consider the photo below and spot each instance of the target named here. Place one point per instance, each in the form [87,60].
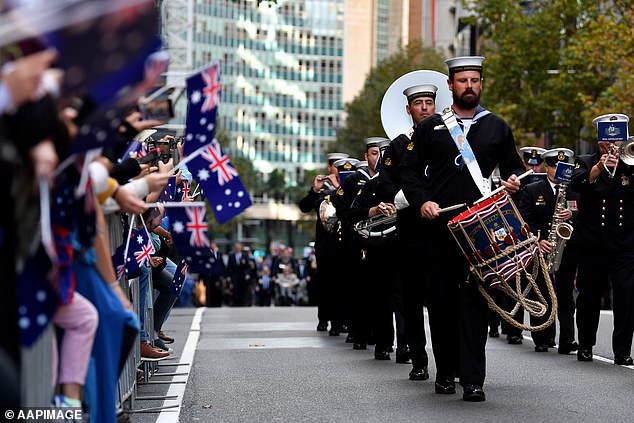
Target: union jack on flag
[140,248]
[219,163]
[203,92]
[189,232]
[183,189]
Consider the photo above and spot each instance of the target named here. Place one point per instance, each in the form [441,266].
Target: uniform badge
[340,191]
[577,165]
[347,166]
[388,162]
[540,201]
[410,146]
[561,156]
[625,180]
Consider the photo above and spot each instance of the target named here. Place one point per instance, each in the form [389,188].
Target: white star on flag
[195,97]
[203,174]
[139,239]
[178,227]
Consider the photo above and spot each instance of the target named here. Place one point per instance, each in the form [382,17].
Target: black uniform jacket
[537,205]
[448,183]
[606,207]
[325,242]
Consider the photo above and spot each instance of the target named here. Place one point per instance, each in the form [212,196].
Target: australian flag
[189,232]
[169,192]
[183,190]
[179,278]
[203,92]
[37,300]
[118,260]
[220,182]
[139,250]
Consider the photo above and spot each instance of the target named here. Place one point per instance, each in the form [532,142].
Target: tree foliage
[553,66]
[364,111]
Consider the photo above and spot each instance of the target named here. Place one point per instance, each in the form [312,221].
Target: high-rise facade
[282,75]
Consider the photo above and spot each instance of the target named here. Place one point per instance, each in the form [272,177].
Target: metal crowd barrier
[36,371]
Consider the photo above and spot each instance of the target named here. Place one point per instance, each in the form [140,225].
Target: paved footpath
[271,365]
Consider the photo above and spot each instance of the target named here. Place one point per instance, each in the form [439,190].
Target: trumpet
[364,227]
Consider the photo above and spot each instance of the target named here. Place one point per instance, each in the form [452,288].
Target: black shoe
[568,348]
[514,340]
[343,329]
[381,355]
[493,333]
[584,354]
[322,327]
[473,393]
[419,374]
[445,386]
[349,339]
[359,346]
[551,344]
[541,348]
[623,360]
[402,355]
[333,332]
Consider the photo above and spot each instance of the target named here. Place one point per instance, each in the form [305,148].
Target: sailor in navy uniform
[326,248]
[537,205]
[421,103]
[379,281]
[604,232]
[458,314]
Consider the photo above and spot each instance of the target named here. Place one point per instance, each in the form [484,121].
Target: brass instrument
[364,227]
[560,232]
[626,151]
[328,215]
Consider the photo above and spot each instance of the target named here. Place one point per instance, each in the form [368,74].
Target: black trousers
[564,285]
[545,336]
[380,271]
[595,267]
[331,286]
[413,288]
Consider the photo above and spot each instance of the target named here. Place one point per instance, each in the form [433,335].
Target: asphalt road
[271,365]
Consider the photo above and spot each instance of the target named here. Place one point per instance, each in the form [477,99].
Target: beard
[468,100]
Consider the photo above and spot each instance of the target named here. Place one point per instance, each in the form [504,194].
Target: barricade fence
[37,377]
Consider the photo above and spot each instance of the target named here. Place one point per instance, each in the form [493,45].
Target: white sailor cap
[612,127]
[532,155]
[376,142]
[361,164]
[464,63]
[555,155]
[611,117]
[424,90]
[345,164]
[332,157]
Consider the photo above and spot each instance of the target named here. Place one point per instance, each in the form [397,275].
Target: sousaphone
[394,118]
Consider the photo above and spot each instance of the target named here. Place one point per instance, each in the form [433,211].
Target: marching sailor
[326,244]
[538,203]
[461,149]
[421,103]
[604,232]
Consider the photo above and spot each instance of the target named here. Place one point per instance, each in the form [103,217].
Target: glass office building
[281,75]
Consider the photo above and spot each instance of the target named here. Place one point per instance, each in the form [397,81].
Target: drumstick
[450,208]
[495,191]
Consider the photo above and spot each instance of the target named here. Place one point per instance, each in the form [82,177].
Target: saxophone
[560,232]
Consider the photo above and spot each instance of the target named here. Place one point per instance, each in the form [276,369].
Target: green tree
[276,184]
[364,111]
[552,66]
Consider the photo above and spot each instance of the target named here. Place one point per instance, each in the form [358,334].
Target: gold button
[604,201]
[602,208]
[620,224]
[602,216]
[621,208]
[621,201]
[620,216]
[602,224]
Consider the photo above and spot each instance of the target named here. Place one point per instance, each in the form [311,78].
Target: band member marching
[604,232]
[544,205]
[326,249]
[421,103]
[457,311]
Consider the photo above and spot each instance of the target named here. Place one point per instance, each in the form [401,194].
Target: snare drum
[495,239]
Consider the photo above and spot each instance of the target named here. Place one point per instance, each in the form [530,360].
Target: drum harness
[535,308]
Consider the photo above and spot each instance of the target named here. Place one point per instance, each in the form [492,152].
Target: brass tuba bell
[328,215]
